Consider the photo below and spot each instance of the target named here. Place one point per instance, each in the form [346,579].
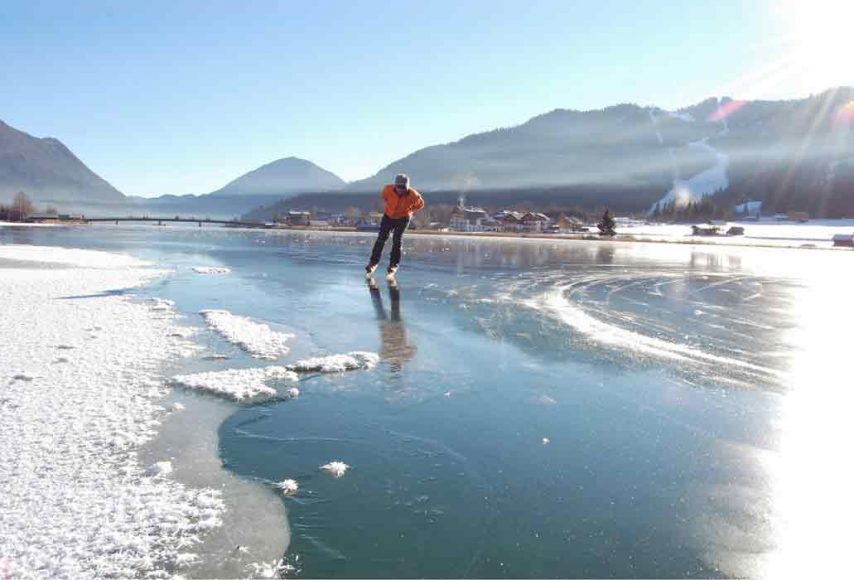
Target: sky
[182,96]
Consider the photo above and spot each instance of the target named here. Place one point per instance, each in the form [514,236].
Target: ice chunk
[335,468]
[256,338]
[160,304]
[288,486]
[159,469]
[337,363]
[237,384]
[293,392]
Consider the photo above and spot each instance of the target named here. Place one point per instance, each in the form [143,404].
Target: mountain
[623,144]
[283,177]
[264,186]
[48,172]
[796,154]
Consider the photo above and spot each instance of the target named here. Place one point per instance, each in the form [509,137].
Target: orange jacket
[398,206]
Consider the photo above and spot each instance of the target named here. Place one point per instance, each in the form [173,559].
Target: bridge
[176,219]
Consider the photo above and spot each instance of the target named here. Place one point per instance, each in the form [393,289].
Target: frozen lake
[578,409]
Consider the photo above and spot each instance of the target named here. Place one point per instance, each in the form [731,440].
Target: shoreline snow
[79,397]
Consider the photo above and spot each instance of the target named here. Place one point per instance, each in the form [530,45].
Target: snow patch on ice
[557,305]
[337,363]
[335,468]
[237,384]
[256,338]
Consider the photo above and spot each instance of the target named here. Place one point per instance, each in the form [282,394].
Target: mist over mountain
[283,176]
[47,171]
[617,145]
[795,154]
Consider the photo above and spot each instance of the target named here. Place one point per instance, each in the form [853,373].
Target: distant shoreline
[721,240]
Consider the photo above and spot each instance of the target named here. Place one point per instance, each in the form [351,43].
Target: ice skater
[401,202]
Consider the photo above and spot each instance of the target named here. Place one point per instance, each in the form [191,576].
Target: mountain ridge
[287,175]
[47,170]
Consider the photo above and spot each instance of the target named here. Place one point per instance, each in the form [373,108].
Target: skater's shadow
[396,349]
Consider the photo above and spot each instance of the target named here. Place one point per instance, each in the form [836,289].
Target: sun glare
[823,37]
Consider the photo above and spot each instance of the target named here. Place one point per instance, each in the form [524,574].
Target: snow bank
[211,270]
[256,338]
[69,257]
[238,384]
[337,363]
[76,501]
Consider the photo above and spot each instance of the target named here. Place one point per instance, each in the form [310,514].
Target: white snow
[75,499]
[211,270]
[705,183]
[160,304]
[251,383]
[335,468]
[765,232]
[288,486]
[160,468]
[256,338]
[237,384]
[337,363]
[69,257]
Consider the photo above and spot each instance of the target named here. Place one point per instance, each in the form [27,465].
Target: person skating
[401,201]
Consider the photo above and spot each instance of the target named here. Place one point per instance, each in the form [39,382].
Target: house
[471,219]
[298,218]
[509,221]
[570,224]
[843,240]
[705,230]
[42,217]
[535,222]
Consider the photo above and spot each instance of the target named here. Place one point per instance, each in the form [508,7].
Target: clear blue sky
[182,96]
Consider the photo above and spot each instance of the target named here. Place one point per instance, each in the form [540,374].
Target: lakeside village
[707,219]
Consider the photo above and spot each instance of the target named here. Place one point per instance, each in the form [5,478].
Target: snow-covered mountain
[47,171]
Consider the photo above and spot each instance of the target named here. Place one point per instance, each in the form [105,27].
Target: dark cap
[401,181]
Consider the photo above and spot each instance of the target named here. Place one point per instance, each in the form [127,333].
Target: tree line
[20,209]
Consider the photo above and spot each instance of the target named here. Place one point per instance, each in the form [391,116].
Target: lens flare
[845,115]
[726,110]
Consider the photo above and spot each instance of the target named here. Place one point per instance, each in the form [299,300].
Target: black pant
[387,226]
